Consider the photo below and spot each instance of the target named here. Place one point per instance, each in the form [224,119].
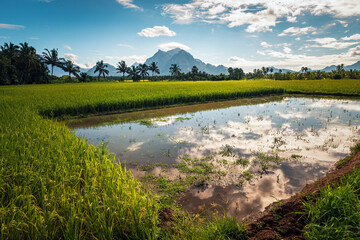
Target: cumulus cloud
[129,4]
[172,45]
[294,61]
[265,45]
[67,47]
[156,31]
[330,43]
[10,26]
[295,31]
[287,50]
[259,15]
[353,37]
[72,57]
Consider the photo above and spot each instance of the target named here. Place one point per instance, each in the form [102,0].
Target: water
[308,134]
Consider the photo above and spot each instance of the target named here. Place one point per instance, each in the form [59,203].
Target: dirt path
[285,219]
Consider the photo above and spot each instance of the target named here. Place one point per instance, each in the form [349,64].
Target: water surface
[308,134]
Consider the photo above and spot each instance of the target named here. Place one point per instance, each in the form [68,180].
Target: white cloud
[172,45]
[67,47]
[287,50]
[3,37]
[295,31]
[129,4]
[10,26]
[298,39]
[34,38]
[323,40]
[330,43]
[296,61]
[265,45]
[344,23]
[261,52]
[125,45]
[156,31]
[259,15]
[353,37]
[72,57]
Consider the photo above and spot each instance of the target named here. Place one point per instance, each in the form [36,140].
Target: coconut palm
[101,68]
[154,68]
[51,58]
[194,70]
[134,73]
[174,69]
[143,70]
[82,77]
[122,68]
[29,60]
[68,66]
[11,51]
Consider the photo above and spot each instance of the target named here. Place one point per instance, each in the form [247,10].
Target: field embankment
[54,185]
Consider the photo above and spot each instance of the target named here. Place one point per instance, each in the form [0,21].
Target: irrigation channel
[247,153]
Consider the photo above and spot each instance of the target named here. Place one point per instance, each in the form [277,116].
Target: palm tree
[11,51]
[143,70]
[340,68]
[101,68]
[82,77]
[154,68]
[194,70]
[68,66]
[134,73]
[51,58]
[29,60]
[122,68]
[174,69]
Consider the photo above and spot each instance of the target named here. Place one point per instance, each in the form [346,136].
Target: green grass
[54,185]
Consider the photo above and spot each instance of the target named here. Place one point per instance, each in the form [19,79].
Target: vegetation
[101,68]
[336,213]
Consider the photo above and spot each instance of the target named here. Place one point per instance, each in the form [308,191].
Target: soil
[285,219]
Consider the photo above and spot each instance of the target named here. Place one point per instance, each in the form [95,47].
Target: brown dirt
[285,219]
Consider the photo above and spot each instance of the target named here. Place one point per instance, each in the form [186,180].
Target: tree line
[21,64]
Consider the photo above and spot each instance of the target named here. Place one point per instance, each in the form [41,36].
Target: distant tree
[238,73]
[340,68]
[280,71]
[194,70]
[304,69]
[51,58]
[83,77]
[122,68]
[263,70]
[231,72]
[143,68]
[174,70]
[68,66]
[134,73]
[271,70]
[101,68]
[154,68]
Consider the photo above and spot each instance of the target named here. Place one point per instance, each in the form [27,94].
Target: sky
[235,33]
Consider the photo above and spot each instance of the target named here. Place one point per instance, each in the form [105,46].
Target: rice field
[54,185]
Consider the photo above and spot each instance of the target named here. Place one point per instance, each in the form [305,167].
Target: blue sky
[238,33]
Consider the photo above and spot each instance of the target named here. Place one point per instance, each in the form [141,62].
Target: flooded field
[237,156]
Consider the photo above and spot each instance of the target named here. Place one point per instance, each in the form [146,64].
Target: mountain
[184,60]
[355,66]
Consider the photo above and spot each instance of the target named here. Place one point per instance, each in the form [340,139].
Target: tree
[194,71]
[101,68]
[82,77]
[68,66]
[11,51]
[28,61]
[143,68]
[231,72]
[154,68]
[122,68]
[134,73]
[340,68]
[51,58]
[174,70]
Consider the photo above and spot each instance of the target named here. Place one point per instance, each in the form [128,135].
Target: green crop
[54,185]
